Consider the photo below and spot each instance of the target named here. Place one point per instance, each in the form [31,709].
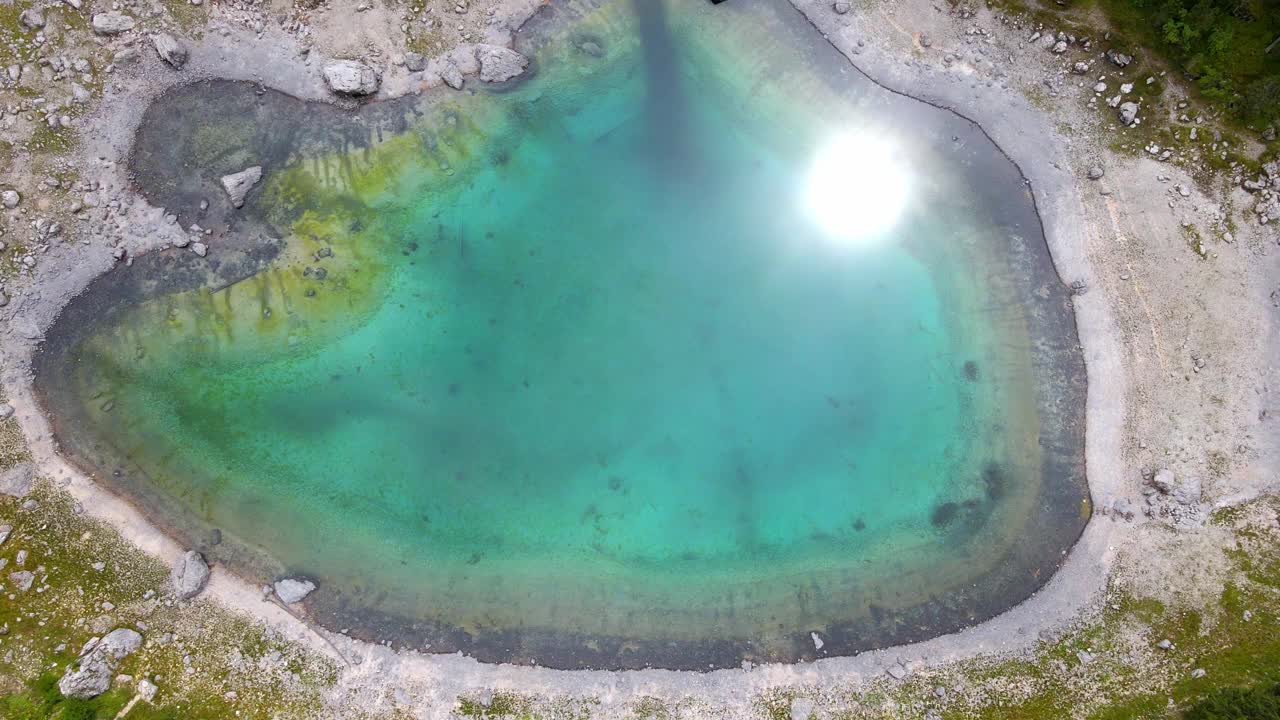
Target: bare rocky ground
[1162,219]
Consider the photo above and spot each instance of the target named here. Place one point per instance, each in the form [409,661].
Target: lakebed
[1085,570]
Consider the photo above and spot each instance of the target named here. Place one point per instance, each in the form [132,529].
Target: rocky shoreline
[1086,228]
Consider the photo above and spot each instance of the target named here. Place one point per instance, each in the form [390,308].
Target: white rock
[291,590]
[10,199]
[350,77]
[112,23]
[147,689]
[499,64]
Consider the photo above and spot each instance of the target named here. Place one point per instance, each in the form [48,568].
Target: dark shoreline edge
[1062,405]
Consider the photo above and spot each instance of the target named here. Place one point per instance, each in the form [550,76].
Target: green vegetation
[1257,703]
[1222,45]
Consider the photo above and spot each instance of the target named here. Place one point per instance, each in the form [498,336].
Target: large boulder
[170,49]
[239,184]
[91,674]
[499,64]
[112,23]
[350,77]
[90,677]
[190,574]
[292,590]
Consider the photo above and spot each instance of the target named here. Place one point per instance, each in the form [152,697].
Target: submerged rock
[170,49]
[291,590]
[239,184]
[499,64]
[350,77]
[112,23]
[190,574]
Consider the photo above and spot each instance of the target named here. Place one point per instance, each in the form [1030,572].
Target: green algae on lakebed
[562,371]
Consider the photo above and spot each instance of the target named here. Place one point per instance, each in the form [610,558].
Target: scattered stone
[22,579]
[239,184]
[170,49]
[189,575]
[896,671]
[147,689]
[1126,88]
[200,249]
[1096,172]
[499,64]
[1165,644]
[6,411]
[16,481]
[801,709]
[1123,508]
[415,62]
[841,8]
[5,531]
[10,199]
[1060,47]
[112,23]
[1198,673]
[1100,87]
[350,77]
[1085,657]
[291,590]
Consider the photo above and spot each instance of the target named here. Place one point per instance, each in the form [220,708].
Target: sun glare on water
[857,188]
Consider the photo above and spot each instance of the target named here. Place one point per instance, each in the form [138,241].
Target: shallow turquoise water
[612,382]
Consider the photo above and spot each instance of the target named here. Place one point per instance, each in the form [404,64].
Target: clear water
[582,382]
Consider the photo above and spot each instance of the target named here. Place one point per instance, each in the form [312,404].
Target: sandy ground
[1180,346]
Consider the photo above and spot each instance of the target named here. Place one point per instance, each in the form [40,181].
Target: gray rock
[1188,491]
[1165,644]
[499,64]
[1085,657]
[31,19]
[16,481]
[89,678]
[6,411]
[801,709]
[10,199]
[200,249]
[1128,113]
[5,531]
[22,579]
[451,75]
[119,643]
[1164,481]
[415,62]
[292,590]
[189,575]
[1198,673]
[1096,172]
[1060,47]
[817,640]
[896,671]
[841,8]
[112,23]
[350,77]
[147,689]
[1119,59]
[239,184]
[170,49]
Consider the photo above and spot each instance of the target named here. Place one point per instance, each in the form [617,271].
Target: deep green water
[596,385]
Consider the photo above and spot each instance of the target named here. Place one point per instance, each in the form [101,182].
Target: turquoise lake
[572,371]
